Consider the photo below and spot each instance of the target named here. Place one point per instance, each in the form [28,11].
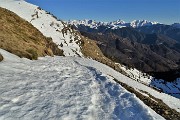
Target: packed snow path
[61,88]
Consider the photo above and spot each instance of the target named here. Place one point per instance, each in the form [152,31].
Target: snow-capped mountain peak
[114,24]
[118,22]
[86,22]
[141,23]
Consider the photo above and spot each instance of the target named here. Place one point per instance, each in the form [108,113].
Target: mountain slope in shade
[171,31]
[61,34]
[177,25]
[155,46]
[146,52]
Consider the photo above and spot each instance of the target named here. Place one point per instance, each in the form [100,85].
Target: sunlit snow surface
[46,24]
[61,88]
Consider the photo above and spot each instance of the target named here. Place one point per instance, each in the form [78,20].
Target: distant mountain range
[116,24]
[148,46]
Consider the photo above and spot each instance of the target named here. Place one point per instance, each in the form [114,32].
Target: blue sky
[164,11]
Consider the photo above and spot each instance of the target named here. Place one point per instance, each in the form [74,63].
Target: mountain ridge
[116,24]
[159,52]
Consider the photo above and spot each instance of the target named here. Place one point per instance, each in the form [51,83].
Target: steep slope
[21,38]
[128,46]
[61,34]
[61,88]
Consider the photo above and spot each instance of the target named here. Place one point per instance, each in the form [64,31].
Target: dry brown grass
[90,49]
[21,38]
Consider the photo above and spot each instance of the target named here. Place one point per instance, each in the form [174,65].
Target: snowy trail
[167,99]
[61,88]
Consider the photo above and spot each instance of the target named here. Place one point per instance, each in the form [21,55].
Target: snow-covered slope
[113,25]
[61,88]
[171,88]
[67,39]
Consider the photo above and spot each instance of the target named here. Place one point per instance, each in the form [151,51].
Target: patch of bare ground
[1,57]
[19,37]
[154,103]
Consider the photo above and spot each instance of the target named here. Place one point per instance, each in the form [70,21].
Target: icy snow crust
[45,23]
[61,88]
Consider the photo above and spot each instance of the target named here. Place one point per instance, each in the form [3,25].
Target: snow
[141,23]
[68,87]
[86,22]
[171,88]
[51,27]
[137,75]
[47,24]
[113,25]
[64,88]
[167,99]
